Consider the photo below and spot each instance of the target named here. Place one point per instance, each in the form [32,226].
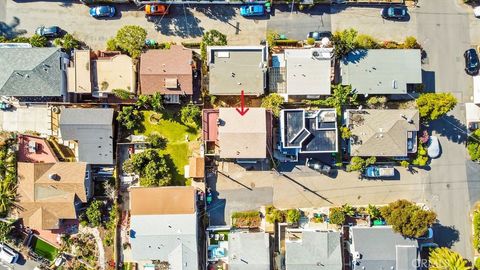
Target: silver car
[433,149]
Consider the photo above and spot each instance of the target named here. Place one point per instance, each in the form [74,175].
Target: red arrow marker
[242,110]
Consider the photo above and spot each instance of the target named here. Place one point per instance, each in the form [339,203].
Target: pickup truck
[379,171]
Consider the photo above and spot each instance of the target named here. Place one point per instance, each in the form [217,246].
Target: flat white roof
[308,71]
[476,89]
[472,111]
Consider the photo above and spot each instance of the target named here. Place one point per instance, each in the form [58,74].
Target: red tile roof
[39,150]
[159,68]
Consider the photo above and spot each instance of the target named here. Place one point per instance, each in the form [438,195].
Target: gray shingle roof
[316,251]
[32,72]
[382,248]
[381,71]
[92,128]
[249,251]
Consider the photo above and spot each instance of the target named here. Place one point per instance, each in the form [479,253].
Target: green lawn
[44,249]
[177,150]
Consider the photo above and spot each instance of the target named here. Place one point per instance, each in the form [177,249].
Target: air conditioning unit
[356,255]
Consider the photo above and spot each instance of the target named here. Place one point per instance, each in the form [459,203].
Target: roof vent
[394,84]
[357,255]
[315,54]
[54,177]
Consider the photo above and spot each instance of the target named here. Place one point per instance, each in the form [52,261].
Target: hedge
[191,45]
[285,42]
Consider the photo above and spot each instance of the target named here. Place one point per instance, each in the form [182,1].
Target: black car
[394,13]
[319,35]
[50,32]
[319,166]
[471,62]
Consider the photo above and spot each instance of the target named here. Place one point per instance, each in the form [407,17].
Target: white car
[7,254]
[476,12]
[433,149]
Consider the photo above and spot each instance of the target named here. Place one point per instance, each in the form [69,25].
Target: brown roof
[159,68]
[44,201]
[162,200]
[197,167]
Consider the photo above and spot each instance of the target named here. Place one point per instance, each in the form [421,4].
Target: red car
[156,9]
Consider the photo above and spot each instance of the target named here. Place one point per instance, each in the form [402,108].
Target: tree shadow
[223,13]
[184,24]
[445,236]
[355,57]
[451,128]
[9,30]
[177,178]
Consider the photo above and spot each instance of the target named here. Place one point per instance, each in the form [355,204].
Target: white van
[7,254]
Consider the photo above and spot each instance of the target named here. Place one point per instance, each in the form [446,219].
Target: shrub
[356,164]
[152,168]
[477,263]
[473,145]
[245,214]
[407,218]
[191,115]
[411,43]
[130,39]
[191,45]
[94,213]
[422,157]
[366,42]
[38,41]
[391,45]
[476,230]
[344,42]
[285,42]
[122,93]
[67,42]
[404,163]
[293,216]
[377,101]
[337,216]
[156,141]
[373,211]
[273,102]
[346,133]
[212,38]
[349,210]
[275,216]
[310,41]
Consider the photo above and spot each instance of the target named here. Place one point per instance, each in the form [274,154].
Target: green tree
[473,145]
[122,93]
[94,213]
[5,229]
[112,45]
[143,102]
[3,39]
[275,215]
[310,41]
[366,42]
[129,39]
[151,167]
[20,40]
[271,37]
[411,43]
[435,105]
[342,95]
[38,41]
[156,102]
[337,216]
[293,216]
[344,42]
[446,259]
[373,211]
[356,164]
[404,163]
[67,42]
[346,133]
[190,115]
[407,218]
[370,161]
[156,141]
[349,210]
[212,38]
[273,102]
[422,157]
[477,263]
[130,118]
[8,193]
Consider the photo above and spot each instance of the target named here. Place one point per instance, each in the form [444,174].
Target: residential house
[249,251]
[382,71]
[379,247]
[33,73]
[308,132]
[50,193]
[311,250]
[163,226]
[383,133]
[302,73]
[233,69]
[89,132]
[99,73]
[35,149]
[168,71]
[472,109]
[228,134]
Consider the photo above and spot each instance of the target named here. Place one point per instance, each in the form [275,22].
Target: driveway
[21,119]
[185,23]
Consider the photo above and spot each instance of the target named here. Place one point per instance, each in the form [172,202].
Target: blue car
[394,13]
[102,11]
[379,171]
[254,10]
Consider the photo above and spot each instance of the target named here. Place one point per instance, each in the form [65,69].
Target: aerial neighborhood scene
[240,134]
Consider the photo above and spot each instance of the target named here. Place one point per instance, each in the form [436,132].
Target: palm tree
[444,258]
[7,195]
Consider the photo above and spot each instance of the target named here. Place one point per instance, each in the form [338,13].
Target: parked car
[102,11]
[476,11]
[394,13]
[7,254]
[374,171]
[471,62]
[50,32]
[253,10]
[433,149]
[4,106]
[319,166]
[156,9]
[319,35]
